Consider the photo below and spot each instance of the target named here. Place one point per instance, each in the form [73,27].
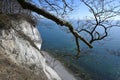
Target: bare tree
[103,12]
[27,5]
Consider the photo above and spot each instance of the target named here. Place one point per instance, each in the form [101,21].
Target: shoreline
[64,72]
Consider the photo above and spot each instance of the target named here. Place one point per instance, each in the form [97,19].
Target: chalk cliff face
[20,47]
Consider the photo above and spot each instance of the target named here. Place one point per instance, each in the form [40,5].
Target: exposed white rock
[21,44]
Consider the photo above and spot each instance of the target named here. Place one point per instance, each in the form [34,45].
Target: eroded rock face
[21,44]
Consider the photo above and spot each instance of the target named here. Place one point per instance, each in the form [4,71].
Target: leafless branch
[60,7]
[27,5]
[101,15]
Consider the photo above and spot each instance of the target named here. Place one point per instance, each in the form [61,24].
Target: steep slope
[20,54]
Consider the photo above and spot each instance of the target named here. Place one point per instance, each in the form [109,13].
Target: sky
[79,12]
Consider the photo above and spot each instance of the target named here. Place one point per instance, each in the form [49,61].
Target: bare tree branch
[27,5]
[102,11]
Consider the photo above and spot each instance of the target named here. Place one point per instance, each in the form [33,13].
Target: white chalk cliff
[20,44]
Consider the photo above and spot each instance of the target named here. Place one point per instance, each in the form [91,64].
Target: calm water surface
[100,63]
